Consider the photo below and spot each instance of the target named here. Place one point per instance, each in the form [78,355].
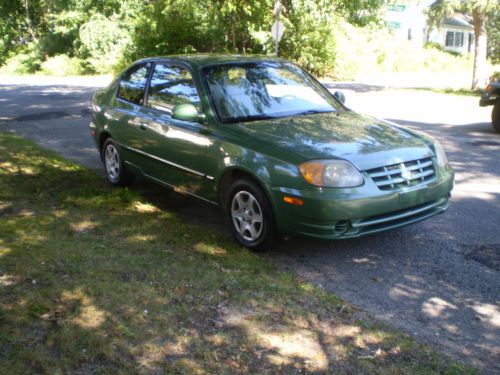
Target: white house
[408,20]
[456,34]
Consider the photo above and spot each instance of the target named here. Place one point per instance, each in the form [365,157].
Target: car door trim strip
[174,188]
[172,164]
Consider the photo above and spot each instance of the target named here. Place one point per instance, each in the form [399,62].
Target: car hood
[364,141]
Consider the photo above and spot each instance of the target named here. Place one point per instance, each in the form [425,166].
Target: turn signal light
[294,201]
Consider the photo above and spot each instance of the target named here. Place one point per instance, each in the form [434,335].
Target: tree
[479,10]
[493,28]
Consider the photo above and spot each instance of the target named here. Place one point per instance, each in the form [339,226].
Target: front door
[177,148]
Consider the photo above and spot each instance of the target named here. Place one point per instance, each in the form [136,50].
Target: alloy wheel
[247,216]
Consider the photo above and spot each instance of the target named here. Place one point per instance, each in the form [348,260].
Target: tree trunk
[28,21]
[480,72]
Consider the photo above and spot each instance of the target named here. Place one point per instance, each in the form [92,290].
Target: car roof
[206,59]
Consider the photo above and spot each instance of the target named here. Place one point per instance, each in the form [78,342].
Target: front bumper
[356,212]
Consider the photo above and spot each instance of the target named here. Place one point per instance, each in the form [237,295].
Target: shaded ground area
[84,289]
[438,279]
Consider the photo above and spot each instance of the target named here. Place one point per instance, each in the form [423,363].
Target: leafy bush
[103,42]
[366,50]
[63,65]
[25,61]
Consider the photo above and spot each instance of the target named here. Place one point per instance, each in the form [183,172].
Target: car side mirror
[339,95]
[187,112]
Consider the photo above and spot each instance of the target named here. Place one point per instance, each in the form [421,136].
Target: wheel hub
[247,215]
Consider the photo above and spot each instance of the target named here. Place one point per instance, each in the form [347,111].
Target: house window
[454,39]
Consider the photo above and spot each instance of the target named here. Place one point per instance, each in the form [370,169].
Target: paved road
[438,279]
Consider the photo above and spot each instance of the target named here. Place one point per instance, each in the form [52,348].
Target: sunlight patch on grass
[144,207]
[141,238]
[211,249]
[285,343]
[4,250]
[346,330]
[90,316]
[59,213]
[16,169]
[8,280]
[83,226]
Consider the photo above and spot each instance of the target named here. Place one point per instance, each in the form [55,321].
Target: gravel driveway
[438,280]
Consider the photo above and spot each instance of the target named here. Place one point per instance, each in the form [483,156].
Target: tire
[114,164]
[495,116]
[250,215]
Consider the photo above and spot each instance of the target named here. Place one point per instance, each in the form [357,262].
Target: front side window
[253,91]
[172,85]
[133,84]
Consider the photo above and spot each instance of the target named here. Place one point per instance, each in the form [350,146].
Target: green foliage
[434,45]
[104,41]
[309,38]
[493,28]
[63,65]
[109,34]
[27,60]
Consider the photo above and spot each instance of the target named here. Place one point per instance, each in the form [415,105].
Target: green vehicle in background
[264,140]
[491,96]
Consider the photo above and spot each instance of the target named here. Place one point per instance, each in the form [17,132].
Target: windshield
[261,90]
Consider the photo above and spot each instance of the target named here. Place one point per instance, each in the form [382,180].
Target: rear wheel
[250,215]
[114,164]
[495,116]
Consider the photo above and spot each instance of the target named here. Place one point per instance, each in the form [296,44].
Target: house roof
[457,20]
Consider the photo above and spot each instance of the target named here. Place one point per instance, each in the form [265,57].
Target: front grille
[409,173]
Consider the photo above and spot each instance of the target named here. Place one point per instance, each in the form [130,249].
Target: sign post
[278,28]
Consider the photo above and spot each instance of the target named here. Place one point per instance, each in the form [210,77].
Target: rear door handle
[143,125]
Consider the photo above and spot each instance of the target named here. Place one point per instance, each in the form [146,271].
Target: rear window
[133,84]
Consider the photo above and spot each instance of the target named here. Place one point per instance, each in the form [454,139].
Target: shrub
[25,61]
[433,45]
[63,65]
[104,41]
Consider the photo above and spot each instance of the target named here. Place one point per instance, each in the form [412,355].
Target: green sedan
[265,141]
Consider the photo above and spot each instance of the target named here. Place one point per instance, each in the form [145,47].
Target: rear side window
[133,83]
[171,85]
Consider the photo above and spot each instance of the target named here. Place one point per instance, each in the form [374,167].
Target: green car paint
[204,156]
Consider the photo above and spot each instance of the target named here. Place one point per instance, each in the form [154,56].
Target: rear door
[123,116]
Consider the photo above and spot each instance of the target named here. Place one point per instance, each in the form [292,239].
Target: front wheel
[495,116]
[114,164]
[250,215]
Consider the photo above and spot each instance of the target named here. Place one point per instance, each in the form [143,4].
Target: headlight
[442,160]
[331,173]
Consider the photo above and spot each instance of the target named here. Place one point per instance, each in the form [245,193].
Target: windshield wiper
[248,118]
[313,111]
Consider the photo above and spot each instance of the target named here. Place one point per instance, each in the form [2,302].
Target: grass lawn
[95,279]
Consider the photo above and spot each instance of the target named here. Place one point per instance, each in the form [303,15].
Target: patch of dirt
[487,255]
